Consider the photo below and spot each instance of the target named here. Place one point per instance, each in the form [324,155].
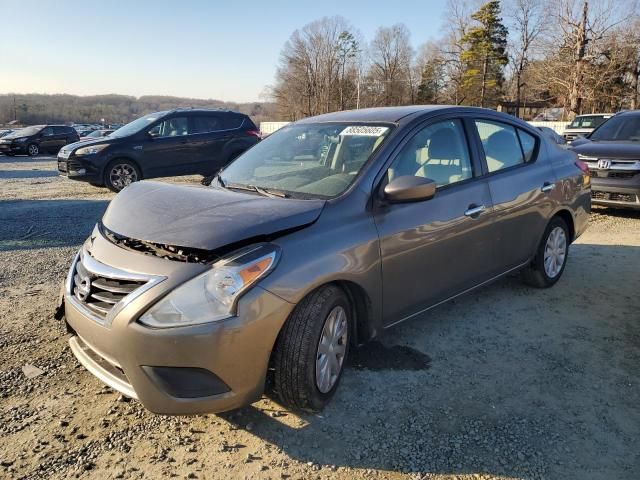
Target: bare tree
[391,55]
[528,20]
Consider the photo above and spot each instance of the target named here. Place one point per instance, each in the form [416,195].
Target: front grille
[99,293]
[618,197]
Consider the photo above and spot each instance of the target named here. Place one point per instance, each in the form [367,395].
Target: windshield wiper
[253,188]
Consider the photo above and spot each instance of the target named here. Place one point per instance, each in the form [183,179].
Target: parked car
[612,152]
[97,134]
[583,125]
[188,298]
[36,139]
[551,134]
[161,144]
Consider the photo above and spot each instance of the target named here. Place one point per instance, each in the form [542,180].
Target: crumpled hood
[619,150]
[202,217]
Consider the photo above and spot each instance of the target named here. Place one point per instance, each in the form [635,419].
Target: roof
[378,114]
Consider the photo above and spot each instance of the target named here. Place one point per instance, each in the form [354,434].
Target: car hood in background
[200,217]
[621,150]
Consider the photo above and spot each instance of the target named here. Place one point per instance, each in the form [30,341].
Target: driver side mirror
[409,188]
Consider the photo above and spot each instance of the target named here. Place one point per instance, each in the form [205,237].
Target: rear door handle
[474,210]
[547,187]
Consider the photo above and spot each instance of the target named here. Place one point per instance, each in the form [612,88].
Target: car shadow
[32,224]
[506,381]
[26,159]
[616,212]
[13,174]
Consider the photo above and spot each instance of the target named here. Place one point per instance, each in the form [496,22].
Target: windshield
[307,161]
[137,125]
[25,132]
[624,128]
[587,121]
[96,134]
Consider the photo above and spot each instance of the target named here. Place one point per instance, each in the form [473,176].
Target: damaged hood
[201,217]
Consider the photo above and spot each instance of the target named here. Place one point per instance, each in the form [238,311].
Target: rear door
[434,249]
[521,182]
[167,151]
[47,139]
[60,134]
[213,134]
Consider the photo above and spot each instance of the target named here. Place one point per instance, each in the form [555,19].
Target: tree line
[582,56]
[31,109]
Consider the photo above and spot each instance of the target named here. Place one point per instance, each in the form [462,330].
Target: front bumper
[615,191]
[15,148]
[78,168]
[232,354]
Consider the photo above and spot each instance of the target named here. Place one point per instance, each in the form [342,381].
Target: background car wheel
[33,150]
[312,349]
[121,173]
[551,257]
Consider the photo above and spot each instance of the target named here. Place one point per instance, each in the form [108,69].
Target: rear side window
[504,145]
[231,122]
[206,124]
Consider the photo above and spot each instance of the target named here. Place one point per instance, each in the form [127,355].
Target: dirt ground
[507,382]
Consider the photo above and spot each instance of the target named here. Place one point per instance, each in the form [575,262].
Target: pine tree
[484,57]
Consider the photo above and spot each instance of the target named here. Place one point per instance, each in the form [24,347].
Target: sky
[226,50]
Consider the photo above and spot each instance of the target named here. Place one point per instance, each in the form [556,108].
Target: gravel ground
[508,382]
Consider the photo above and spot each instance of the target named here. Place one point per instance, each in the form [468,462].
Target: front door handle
[547,187]
[474,210]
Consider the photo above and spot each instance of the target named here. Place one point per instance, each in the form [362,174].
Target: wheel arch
[566,215]
[128,159]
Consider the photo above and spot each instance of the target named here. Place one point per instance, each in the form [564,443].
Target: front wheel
[312,348]
[33,150]
[119,174]
[551,256]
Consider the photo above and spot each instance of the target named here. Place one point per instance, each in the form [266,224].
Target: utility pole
[15,109]
[575,98]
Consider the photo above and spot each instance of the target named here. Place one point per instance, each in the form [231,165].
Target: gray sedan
[192,299]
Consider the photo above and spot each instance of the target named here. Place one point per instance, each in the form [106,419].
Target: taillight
[254,133]
[583,166]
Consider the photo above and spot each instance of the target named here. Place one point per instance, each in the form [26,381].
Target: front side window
[307,160]
[137,125]
[501,144]
[171,127]
[438,151]
[47,131]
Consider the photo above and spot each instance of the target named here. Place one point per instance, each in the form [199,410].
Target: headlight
[212,296]
[92,149]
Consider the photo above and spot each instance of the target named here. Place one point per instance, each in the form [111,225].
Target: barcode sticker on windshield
[364,130]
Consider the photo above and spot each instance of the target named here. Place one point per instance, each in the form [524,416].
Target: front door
[167,150]
[434,249]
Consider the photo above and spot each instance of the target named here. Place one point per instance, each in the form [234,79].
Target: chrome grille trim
[110,291]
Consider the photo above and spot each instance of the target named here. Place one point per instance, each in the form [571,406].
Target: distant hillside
[35,108]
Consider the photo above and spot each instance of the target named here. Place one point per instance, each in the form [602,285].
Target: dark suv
[162,144]
[38,138]
[612,152]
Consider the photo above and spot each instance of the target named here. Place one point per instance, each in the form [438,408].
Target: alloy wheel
[555,252]
[122,175]
[33,150]
[331,350]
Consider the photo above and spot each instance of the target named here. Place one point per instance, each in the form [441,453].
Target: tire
[298,378]
[98,185]
[120,173]
[556,239]
[33,150]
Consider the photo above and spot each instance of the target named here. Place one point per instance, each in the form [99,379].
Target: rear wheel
[312,348]
[121,173]
[551,257]
[33,150]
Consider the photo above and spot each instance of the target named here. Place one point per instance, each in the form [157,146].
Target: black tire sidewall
[318,398]
[555,222]
[107,172]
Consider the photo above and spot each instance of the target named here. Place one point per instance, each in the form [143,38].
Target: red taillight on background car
[583,166]
[254,133]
